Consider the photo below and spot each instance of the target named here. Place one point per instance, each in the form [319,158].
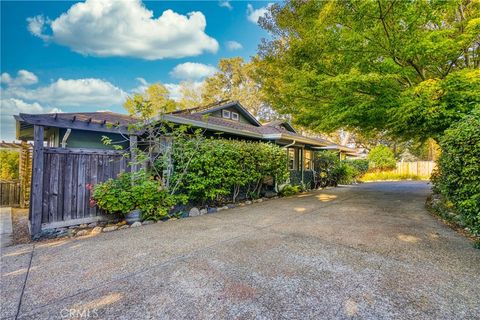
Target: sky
[63,56]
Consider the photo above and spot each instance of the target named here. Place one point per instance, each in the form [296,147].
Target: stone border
[99,227]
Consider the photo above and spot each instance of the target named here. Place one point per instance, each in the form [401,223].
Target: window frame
[235,116]
[226,114]
[307,161]
[291,155]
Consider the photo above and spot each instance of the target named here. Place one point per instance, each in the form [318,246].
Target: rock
[136,224]
[147,222]
[269,194]
[231,206]
[125,226]
[222,208]
[97,230]
[259,200]
[71,232]
[172,219]
[61,233]
[203,211]
[102,224]
[81,233]
[194,212]
[121,223]
[159,221]
[211,210]
[248,202]
[83,225]
[110,228]
[241,204]
[92,225]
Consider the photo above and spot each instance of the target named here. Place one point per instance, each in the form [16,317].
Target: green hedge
[331,171]
[219,170]
[457,178]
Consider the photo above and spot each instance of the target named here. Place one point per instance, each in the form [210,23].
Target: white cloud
[233,45]
[11,107]
[23,78]
[125,28]
[88,92]
[225,4]
[254,14]
[192,70]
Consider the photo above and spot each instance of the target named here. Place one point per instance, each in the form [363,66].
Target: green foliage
[289,190]
[134,191]
[331,171]
[9,164]
[360,165]
[458,174]
[215,169]
[114,195]
[152,102]
[408,68]
[381,158]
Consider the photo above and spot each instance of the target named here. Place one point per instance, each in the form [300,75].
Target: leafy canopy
[406,67]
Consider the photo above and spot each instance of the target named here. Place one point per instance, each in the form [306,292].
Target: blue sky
[73,57]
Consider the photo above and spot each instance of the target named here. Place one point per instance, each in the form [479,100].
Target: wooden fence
[64,179]
[10,193]
[419,168]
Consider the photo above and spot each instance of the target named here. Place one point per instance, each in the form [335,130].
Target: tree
[408,68]
[381,158]
[9,164]
[235,81]
[191,95]
[153,101]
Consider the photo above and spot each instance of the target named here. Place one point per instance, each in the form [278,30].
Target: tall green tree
[9,164]
[153,101]
[235,81]
[409,68]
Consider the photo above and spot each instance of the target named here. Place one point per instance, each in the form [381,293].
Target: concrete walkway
[369,251]
[5,227]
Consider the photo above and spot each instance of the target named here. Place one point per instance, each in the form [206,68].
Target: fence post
[37,181]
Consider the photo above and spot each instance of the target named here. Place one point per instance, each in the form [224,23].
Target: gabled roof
[198,117]
[280,123]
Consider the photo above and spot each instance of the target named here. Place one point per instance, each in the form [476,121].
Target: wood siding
[10,193]
[66,173]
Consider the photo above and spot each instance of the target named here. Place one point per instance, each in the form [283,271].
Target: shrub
[134,191]
[218,168]
[289,190]
[361,165]
[345,173]
[458,175]
[381,158]
[326,168]
[9,164]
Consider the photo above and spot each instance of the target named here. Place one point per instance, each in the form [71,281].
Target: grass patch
[389,175]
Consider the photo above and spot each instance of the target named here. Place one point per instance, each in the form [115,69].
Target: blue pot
[133,216]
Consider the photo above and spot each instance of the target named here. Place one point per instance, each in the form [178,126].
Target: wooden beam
[37,181]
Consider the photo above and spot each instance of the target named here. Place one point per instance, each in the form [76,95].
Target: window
[226,114]
[235,116]
[307,160]
[291,158]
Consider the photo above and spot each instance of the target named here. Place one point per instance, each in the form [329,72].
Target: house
[69,155]
[229,120]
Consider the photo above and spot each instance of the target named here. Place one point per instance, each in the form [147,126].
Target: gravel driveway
[365,251]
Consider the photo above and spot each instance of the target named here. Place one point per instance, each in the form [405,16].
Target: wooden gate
[10,193]
[65,177]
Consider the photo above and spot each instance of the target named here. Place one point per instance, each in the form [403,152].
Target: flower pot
[133,216]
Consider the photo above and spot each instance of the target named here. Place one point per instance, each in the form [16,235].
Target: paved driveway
[366,251]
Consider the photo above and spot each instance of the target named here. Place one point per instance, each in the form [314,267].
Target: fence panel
[66,173]
[10,193]
[419,168]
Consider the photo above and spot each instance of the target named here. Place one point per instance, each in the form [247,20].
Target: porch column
[36,192]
